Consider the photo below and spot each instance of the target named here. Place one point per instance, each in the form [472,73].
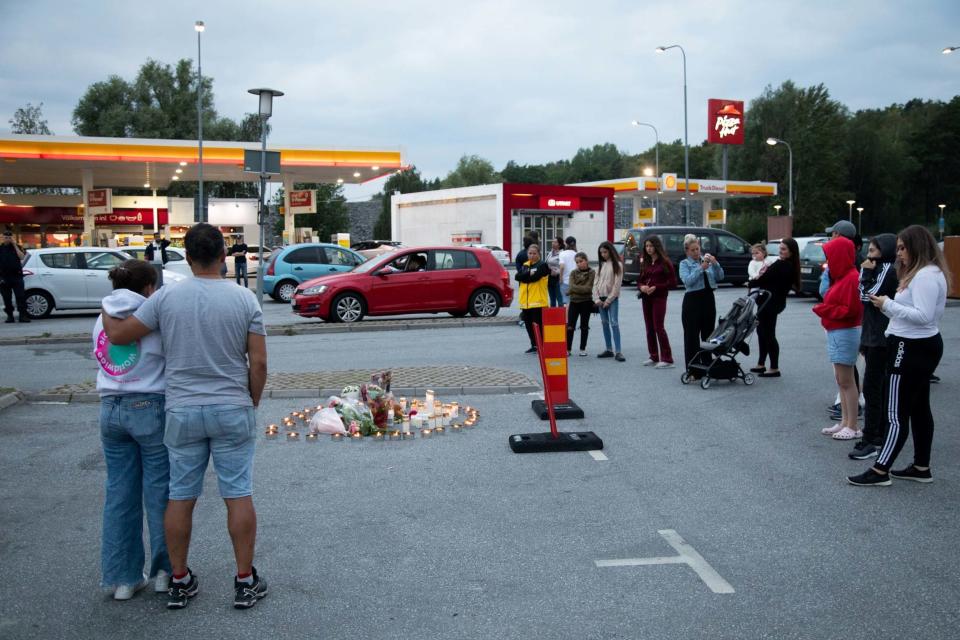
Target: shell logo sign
[669,182]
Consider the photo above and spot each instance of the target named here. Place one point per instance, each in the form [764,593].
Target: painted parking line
[686,555]
[599,456]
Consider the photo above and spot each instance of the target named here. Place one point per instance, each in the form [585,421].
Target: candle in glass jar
[456,428]
[454,409]
[271,435]
[408,435]
[440,431]
[429,401]
[378,436]
[336,437]
[311,437]
[356,437]
[394,435]
[403,403]
[446,418]
[293,435]
[426,433]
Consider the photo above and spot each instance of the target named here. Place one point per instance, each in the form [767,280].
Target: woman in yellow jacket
[532,277]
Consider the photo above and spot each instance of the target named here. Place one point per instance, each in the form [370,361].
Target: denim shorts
[843,345]
[194,433]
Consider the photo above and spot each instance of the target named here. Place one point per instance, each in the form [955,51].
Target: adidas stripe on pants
[910,362]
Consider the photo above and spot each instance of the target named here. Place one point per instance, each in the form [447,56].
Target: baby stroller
[728,339]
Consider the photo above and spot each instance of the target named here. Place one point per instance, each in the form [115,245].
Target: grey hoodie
[133,368]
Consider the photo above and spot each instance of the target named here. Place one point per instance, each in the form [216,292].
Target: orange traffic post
[553,358]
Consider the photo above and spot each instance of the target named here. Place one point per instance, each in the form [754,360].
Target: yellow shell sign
[669,182]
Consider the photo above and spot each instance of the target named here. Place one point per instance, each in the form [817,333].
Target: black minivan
[731,251]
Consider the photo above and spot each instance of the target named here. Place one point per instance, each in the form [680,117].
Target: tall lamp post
[656,155]
[850,204]
[860,219]
[778,207]
[942,222]
[686,142]
[266,110]
[201,208]
[773,142]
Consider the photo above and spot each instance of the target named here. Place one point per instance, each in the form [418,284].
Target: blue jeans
[227,432]
[131,432]
[553,289]
[565,293]
[240,269]
[611,324]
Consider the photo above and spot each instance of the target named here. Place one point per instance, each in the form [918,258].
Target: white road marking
[687,555]
[599,456]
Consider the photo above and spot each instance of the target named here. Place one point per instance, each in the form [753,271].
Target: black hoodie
[879,281]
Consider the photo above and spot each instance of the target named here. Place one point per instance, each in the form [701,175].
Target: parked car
[373,248]
[455,280]
[72,278]
[621,247]
[732,251]
[773,246]
[253,260]
[813,261]
[502,256]
[176,259]
[301,262]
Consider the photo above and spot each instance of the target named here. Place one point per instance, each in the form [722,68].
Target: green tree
[471,171]
[600,162]
[29,120]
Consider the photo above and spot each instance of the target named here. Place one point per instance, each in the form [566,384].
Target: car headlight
[315,290]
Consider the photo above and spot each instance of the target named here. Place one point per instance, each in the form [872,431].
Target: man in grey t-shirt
[216,367]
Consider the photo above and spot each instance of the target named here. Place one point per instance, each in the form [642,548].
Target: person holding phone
[700,275]
[878,277]
[914,349]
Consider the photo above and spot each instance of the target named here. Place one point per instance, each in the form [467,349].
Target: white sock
[247,580]
[184,580]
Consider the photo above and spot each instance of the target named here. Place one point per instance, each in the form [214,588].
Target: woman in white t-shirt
[568,264]
[914,348]
[131,384]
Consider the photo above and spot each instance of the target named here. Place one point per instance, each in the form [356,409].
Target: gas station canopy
[59,161]
[649,187]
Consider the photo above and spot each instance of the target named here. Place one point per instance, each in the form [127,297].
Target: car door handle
[92,275]
[298,268]
[332,269]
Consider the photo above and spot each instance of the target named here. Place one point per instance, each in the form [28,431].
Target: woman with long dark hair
[606,296]
[657,277]
[553,281]
[777,278]
[914,349]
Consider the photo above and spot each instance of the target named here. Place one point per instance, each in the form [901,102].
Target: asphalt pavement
[457,537]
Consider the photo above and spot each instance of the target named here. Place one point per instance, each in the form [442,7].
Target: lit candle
[292,435]
[456,428]
[311,437]
[469,422]
[271,435]
[336,437]
[403,403]
[440,431]
[378,436]
[429,401]
[408,435]
[357,437]
[454,409]
[416,421]
[426,433]
[446,418]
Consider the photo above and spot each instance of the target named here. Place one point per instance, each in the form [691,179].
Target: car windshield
[364,267]
[773,248]
[813,252]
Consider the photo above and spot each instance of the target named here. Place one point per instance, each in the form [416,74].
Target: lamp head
[266,100]
[199,26]
[635,123]
[949,50]
[660,49]
[772,141]
[851,201]
[648,172]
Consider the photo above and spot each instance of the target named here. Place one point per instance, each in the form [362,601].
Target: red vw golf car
[455,280]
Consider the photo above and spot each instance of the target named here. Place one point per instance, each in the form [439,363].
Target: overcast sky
[530,81]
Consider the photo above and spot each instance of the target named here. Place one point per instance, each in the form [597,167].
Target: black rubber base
[569,411]
[546,443]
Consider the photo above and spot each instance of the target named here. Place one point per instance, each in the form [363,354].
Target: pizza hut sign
[725,121]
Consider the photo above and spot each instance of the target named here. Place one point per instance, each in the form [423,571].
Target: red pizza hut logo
[725,124]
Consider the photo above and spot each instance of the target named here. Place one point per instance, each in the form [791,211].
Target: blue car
[301,262]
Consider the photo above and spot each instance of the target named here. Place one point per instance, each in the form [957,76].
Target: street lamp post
[860,219]
[850,204]
[773,142]
[686,142]
[942,222]
[948,50]
[778,207]
[265,111]
[201,209]
[656,156]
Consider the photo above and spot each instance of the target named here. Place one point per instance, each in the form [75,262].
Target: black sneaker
[833,408]
[246,595]
[605,354]
[619,358]
[870,478]
[178,593]
[934,379]
[912,473]
[531,350]
[863,451]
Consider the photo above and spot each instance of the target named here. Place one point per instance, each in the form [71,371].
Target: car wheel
[284,290]
[348,307]
[39,304]
[484,303]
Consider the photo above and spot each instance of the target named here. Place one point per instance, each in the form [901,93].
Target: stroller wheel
[705,382]
[748,378]
[685,377]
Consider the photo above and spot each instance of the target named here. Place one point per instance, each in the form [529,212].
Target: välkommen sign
[725,120]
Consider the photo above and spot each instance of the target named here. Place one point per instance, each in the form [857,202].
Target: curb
[282,394]
[302,329]
[10,399]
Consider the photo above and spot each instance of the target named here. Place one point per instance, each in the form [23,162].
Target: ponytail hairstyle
[135,275]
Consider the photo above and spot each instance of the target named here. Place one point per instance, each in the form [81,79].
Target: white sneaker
[583,353]
[664,365]
[649,363]
[161,582]
[126,591]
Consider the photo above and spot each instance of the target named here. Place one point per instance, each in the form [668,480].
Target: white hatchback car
[72,278]
[176,259]
[502,256]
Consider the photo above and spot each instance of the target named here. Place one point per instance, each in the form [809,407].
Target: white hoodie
[133,368]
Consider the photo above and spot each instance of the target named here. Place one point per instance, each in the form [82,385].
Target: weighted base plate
[569,411]
[546,443]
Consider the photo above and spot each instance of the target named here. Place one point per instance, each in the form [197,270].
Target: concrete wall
[434,217]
